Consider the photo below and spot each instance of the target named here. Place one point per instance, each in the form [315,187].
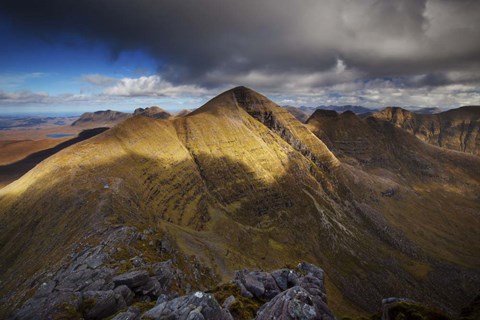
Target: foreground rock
[267,285]
[90,286]
[295,303]
[197,306]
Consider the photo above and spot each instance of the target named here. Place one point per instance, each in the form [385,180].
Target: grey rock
[311,269]
[96,285]
[126,293]
[313,285]
[44,306]
[95,261]
[243,291]
[196,306]
[45,289]
[126,316]
[132,279]
[196,314]
[152,288]
[285,278]
[101,304]
[165,272]
[294,303]
[260,284]
[137,262]
[228,302]
[162,298]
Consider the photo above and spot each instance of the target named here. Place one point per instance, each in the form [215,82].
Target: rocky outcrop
[292,293]
[132,279]
[295,303]
[197,306]
[90,286]
[266,285]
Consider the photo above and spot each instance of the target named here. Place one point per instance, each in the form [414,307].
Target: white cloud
[151,86]
[340,85]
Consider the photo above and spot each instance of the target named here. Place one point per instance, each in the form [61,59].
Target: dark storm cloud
[264,42]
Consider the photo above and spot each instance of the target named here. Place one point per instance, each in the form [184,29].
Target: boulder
[133,279]
[285,278]
[309,268]
[197,306]
[257,283]
[126,316]
[295,303]
[126,293]
[313,285]
[152,288]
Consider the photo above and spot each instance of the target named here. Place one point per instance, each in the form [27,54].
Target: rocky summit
[152,112]
[237,210]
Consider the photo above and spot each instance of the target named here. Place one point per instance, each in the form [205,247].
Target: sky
[66,56]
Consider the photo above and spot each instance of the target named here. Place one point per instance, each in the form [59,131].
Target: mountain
[297,113]
[355,109]
[456,129]
[104,118]
[431,110]
[152,112]
[182,204]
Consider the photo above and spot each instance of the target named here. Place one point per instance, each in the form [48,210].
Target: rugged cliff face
[456,129]
[241,183]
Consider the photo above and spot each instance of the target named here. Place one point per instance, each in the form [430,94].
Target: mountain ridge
[239,183]
[456,129]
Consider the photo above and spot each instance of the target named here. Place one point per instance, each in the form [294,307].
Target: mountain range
[241,183]
[109,118]
[456,129]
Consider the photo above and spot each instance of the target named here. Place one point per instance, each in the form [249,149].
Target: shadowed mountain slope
[456,129]
[241,183]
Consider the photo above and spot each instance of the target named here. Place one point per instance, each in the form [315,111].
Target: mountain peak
[242,90]
[152,112]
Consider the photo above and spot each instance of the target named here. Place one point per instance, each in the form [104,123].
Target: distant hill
[106,118]
[456,129]
[152,112]
[297,113]
[355,109]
